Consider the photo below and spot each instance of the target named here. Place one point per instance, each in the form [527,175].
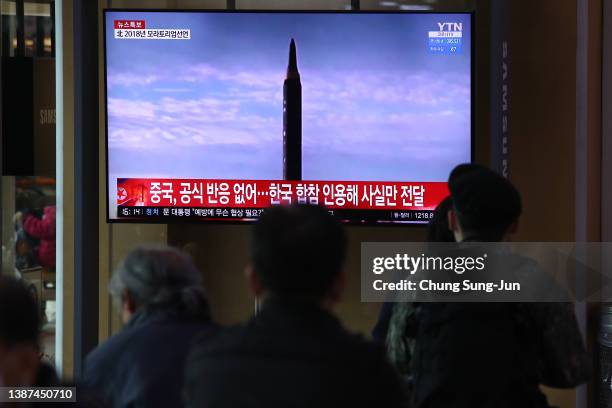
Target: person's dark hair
[438,229]
[463,169]
[298,250]
[486,203]
[19,314]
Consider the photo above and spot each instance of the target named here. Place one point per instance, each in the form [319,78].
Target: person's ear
[452,220]
[128,306]
[253,281]
[511,230]
[31,365]
[513,227]
[128,302]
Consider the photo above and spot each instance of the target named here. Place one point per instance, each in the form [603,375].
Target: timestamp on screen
[423,215]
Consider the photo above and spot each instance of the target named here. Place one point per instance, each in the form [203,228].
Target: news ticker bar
[37,394]
[335,195]
[251,214]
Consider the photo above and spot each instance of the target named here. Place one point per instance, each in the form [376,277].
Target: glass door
[28,154]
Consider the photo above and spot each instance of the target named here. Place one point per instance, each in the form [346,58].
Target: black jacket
[291,354]
[379,332]
[143,364]
[481,355]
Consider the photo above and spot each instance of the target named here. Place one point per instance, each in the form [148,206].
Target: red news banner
[357,195]
[129,24]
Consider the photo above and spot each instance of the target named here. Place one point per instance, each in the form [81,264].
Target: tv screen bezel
[470,13]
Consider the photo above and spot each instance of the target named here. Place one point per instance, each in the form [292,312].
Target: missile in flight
[292,119]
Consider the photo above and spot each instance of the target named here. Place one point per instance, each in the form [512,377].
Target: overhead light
[388,3]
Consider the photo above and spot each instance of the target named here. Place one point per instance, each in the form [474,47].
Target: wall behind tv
[555,128]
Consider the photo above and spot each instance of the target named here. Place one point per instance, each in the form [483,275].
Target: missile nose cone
[292,67]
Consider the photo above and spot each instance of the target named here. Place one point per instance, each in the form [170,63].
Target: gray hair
[160,277]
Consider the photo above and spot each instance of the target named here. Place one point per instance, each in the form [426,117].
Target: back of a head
[438,229]
[161,278]
[298,251]
[486,203]
[19,316]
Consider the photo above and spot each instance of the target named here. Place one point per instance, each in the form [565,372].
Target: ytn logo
[451,26]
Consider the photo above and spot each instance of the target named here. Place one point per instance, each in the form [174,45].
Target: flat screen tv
[217,115]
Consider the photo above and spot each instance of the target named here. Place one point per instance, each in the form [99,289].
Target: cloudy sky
[376,104]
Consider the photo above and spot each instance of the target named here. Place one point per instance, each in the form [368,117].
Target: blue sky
[376,104]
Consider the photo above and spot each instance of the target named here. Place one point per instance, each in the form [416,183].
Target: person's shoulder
[47,376]
[369,350]
[554,314]
[248,338]
[147,334]
[210,350]
[366,364]
[116,348]
[218,340]
[109,346]
[107,352]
